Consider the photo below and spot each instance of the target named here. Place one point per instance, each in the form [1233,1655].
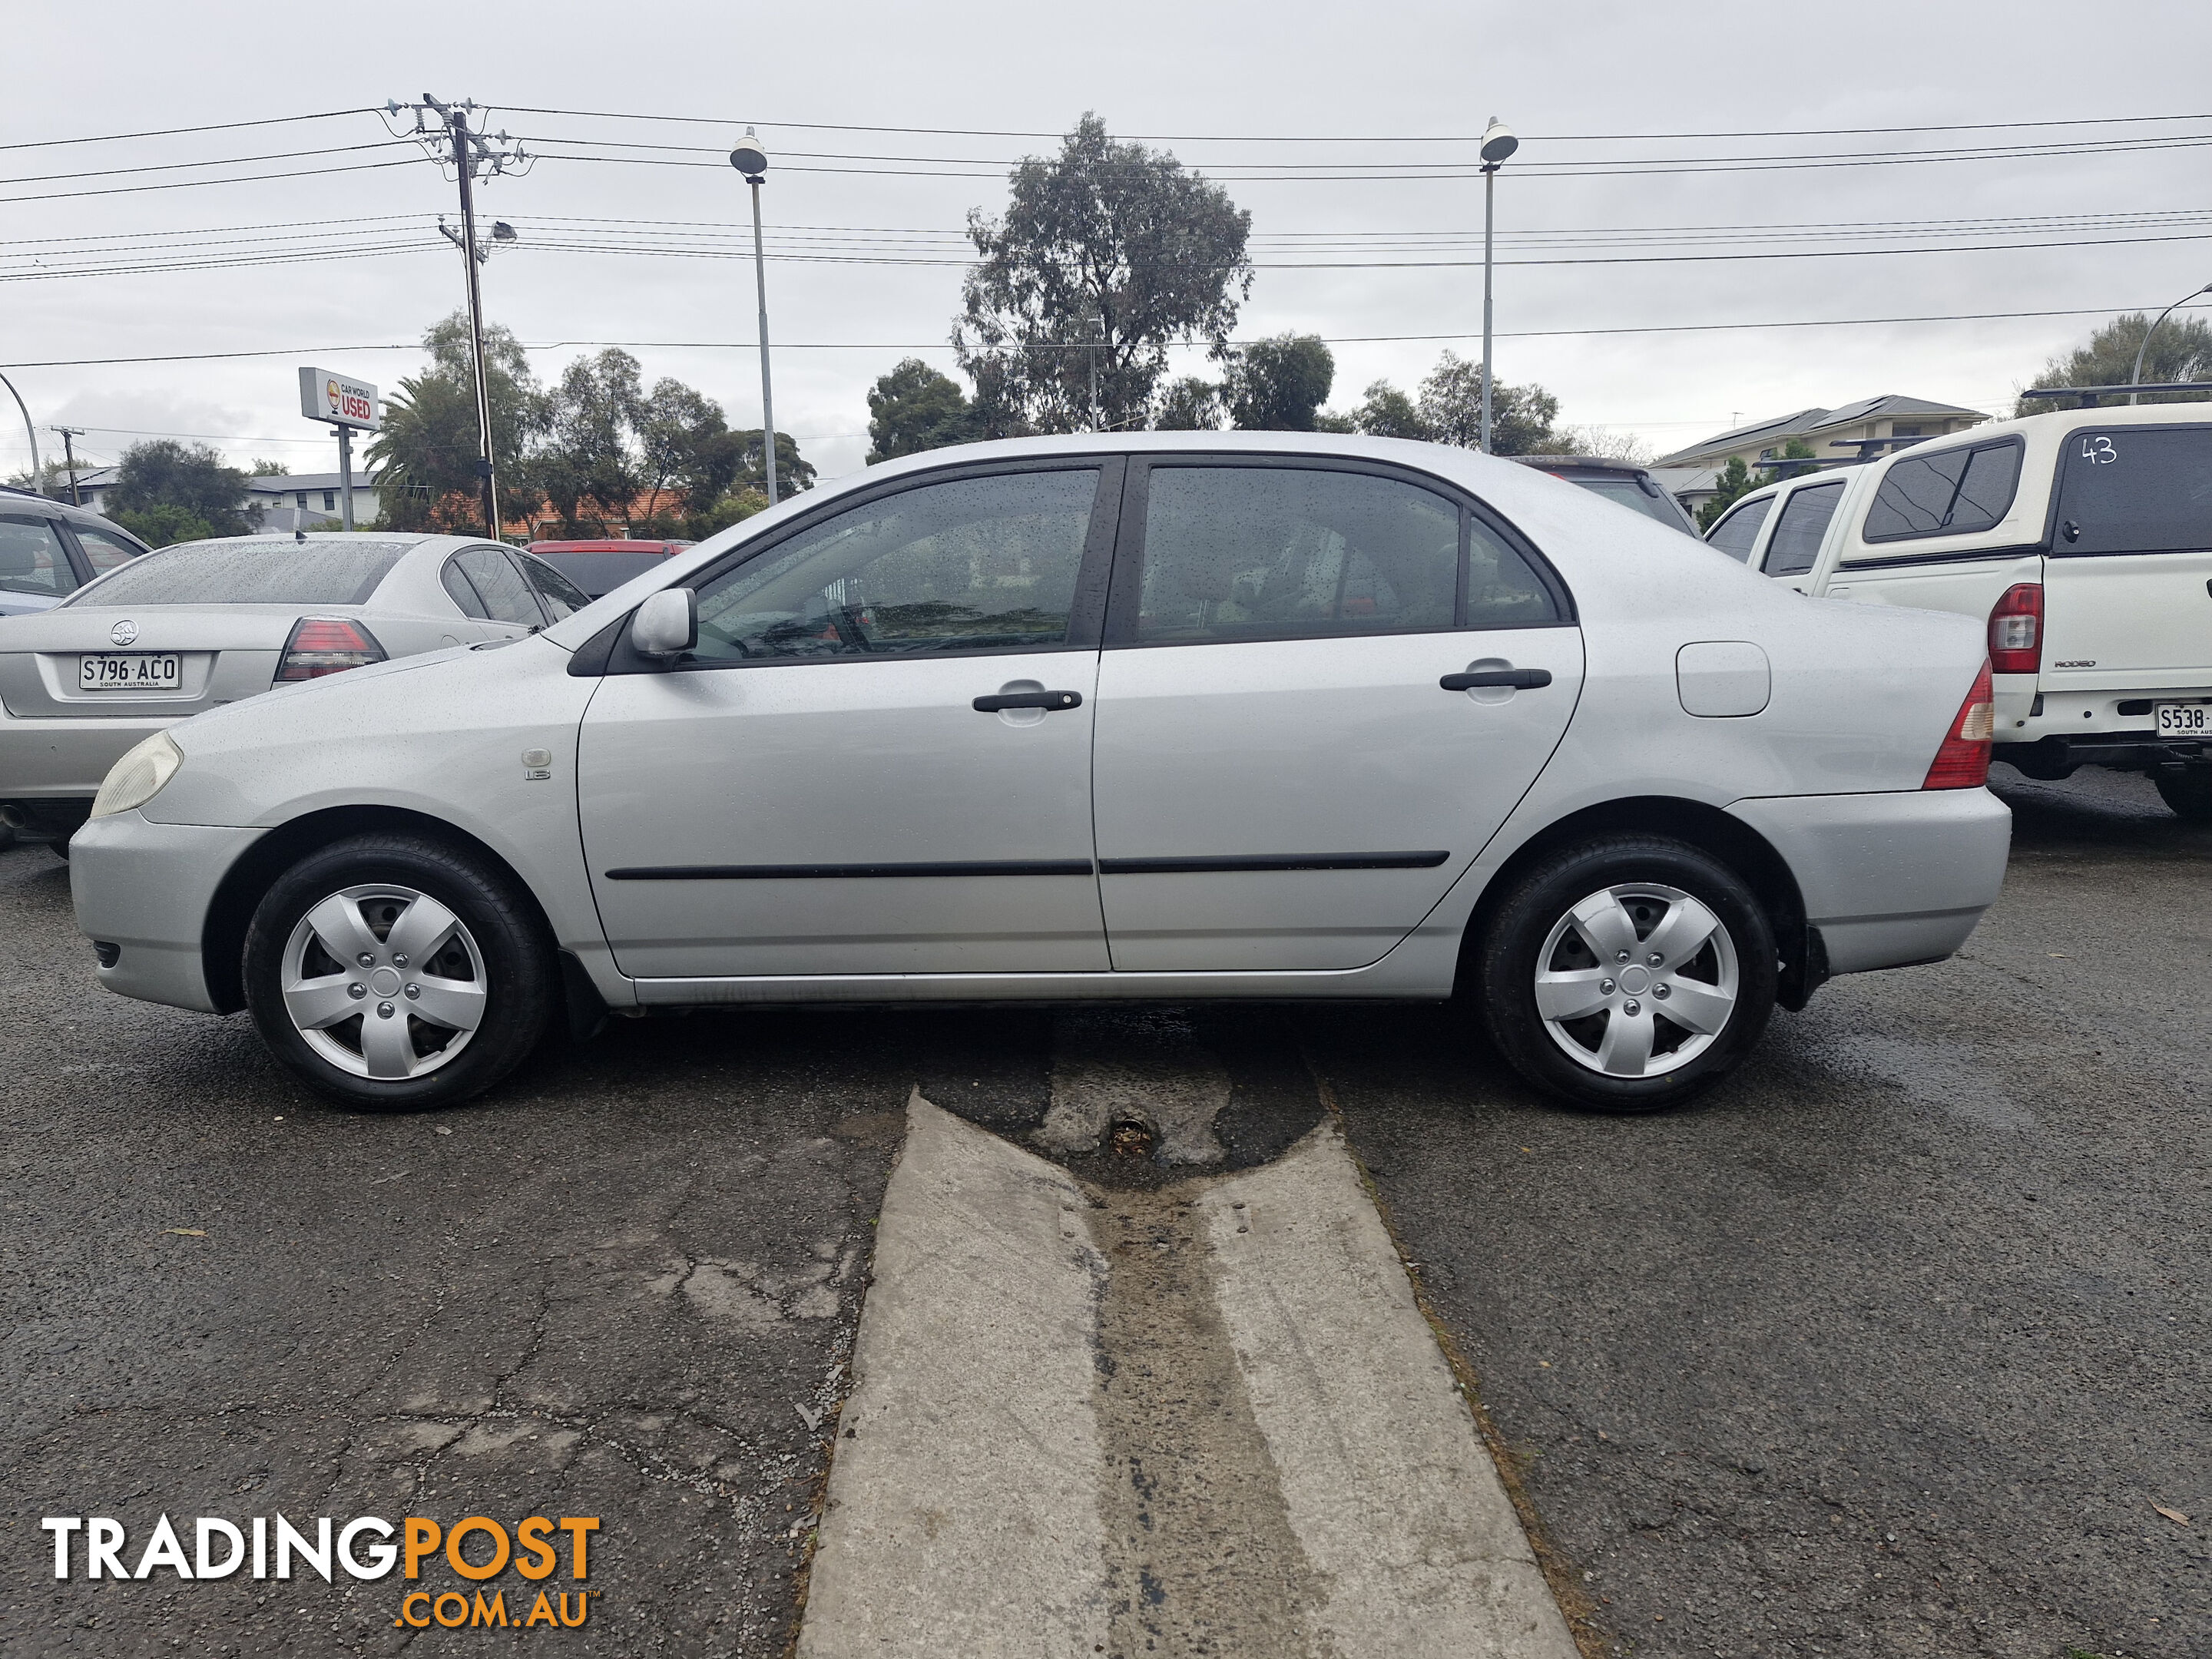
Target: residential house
[302,501]
[1865,430]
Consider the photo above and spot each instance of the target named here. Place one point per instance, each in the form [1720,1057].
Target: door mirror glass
[666,624]
[968,564]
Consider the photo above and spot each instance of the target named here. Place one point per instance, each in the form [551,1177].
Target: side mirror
[667,625]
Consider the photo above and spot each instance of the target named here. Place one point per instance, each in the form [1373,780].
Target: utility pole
[469,151]
[69,451]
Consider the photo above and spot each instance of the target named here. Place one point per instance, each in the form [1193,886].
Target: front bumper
[145,888]
[1889,880]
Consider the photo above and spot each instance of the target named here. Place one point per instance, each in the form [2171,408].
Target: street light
[38,485]
[2135,378]
[1498,143]
[749,159]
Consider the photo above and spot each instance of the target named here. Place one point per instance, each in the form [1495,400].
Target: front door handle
[999,699]
[1520,679]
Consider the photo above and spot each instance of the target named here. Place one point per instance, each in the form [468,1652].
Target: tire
[2187,793]
[1632,1050]
[435,1024]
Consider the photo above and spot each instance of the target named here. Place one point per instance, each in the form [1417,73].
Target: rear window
[1952,492]
[1735,534]
[1797,533]
[252,572]
[602,573]
[1628,493]
[2136,490]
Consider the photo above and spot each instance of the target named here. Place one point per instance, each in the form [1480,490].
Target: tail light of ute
[2016,630]
[326,645]
[1963,761]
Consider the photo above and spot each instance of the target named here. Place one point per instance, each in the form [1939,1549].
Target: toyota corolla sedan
[203,624]
[1158,716]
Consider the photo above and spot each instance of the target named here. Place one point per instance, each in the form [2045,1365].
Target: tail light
[326,645]
[1963,761]
[2016,630]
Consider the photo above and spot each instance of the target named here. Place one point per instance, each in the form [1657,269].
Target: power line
[1318,138]
[220,162]
[175,132]
[189,183]
[939,345]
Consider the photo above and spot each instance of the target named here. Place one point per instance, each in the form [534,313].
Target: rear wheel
[2187,793]
[1627,973]
[393,971]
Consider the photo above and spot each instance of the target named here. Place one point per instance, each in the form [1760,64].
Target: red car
[601,567]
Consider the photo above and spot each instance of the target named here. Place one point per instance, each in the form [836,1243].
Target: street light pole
[1498,143]
[29,431]
[750,159]
[2135,377]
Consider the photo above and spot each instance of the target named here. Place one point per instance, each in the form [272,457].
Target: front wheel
[2189,792]
[393,971]
[1627,973]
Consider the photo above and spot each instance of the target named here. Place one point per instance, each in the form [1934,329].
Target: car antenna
[298,534]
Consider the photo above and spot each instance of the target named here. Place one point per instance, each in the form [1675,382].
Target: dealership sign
[325,396]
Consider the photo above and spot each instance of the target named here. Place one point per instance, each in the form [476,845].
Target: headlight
[138,776]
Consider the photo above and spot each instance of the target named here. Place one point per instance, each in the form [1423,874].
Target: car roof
[11,493]
[1583,463]
[610,545]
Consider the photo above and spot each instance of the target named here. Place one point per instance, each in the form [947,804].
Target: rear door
[2128,586]
[1289,770]
[1794,547]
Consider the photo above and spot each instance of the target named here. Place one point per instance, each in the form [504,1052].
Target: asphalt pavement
[1896,1345]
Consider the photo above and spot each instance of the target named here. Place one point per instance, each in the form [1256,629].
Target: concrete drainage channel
[1174,1398]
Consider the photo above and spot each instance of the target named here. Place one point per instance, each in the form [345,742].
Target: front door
[877,758]
[1324,689]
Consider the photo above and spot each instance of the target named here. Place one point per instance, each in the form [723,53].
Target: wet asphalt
[1889,1347]
[1896,1344]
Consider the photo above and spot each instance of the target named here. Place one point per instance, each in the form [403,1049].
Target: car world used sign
[327,396]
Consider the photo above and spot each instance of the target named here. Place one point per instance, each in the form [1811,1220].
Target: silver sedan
[1150,715]
[194,627]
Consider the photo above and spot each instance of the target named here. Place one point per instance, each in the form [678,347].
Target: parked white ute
[2082,538]
[1158,716]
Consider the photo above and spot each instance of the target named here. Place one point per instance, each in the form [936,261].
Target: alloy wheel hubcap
[1636,979]
[383,982]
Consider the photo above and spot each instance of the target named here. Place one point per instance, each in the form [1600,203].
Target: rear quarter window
[2134,490]
[1952,492]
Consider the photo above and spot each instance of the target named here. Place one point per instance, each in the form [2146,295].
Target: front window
[968,564]
[1735,533]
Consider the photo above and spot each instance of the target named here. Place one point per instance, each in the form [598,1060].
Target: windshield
[1629,493]
[251,573]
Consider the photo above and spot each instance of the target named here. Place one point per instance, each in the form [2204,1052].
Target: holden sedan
[1151,716]
[203,624]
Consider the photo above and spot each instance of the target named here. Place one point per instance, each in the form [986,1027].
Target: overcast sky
[1229,74]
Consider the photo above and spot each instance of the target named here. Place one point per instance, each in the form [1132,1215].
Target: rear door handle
[999,700]
[1520,679]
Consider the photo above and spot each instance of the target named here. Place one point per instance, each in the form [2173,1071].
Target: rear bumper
[65,759]
[145,888]
[1889,880]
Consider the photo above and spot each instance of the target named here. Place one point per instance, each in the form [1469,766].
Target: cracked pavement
[1890,1346]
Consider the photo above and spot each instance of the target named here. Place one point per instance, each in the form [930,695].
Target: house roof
[1889,405]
